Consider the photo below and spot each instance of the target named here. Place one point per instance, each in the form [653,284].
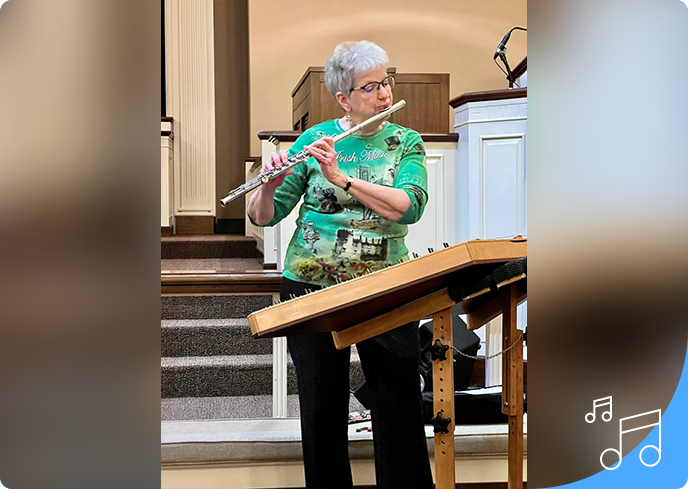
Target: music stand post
[512,384]
[443,400]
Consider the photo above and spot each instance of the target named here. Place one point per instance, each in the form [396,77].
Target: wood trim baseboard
[165,231]
[219,289]
[250,282]
[194,225]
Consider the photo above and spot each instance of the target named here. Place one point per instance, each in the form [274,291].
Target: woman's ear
[343,101]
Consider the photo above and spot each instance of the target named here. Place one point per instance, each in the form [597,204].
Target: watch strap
[350,180]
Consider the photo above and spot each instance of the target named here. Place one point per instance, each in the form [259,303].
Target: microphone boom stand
[509,74]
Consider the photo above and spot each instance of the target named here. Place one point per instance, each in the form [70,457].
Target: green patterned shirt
[336,236]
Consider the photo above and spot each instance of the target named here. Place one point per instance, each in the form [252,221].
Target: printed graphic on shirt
[310,236]
[337,237]
[420,196]
[328,201]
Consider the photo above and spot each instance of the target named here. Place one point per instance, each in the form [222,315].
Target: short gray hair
[350,58]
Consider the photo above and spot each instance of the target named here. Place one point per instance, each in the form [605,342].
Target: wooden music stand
[412,291]
[440,306]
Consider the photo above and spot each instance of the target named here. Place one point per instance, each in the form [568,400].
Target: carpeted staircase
[211,366]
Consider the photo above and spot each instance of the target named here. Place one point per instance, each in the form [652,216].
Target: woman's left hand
[323,152]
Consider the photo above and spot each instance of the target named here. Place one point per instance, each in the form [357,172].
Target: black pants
[390,365]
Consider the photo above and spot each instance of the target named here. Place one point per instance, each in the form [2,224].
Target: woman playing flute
[359,199]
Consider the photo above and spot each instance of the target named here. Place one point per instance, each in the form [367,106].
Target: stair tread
[216,361]
[210,264]
[204,323]
[228,361]
[230,407]
[225,407]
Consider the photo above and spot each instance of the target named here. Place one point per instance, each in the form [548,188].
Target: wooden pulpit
[461,277]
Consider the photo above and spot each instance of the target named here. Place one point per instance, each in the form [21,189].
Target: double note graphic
[606,416]
[652,419]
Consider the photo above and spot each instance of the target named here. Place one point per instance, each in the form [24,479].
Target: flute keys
[264,179]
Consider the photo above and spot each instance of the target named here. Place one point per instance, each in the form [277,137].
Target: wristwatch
[349,181]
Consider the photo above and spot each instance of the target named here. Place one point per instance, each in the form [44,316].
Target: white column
[190,74]
[166,188]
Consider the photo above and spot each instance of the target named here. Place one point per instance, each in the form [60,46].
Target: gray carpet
[207,337]
[211,246]
[211,306]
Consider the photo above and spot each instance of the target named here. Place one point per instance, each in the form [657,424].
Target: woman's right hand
[277,160]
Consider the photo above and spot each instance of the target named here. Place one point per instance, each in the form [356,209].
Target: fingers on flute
[315,151]
[277,160]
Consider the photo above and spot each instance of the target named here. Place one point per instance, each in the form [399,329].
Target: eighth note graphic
[619,452]
[606,416]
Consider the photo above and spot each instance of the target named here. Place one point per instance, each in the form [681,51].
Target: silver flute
[302,156]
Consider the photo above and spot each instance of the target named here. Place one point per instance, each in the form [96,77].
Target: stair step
[230,375]
[356,376]
[211,306]
[210,337]
[209,246]
[216,376]
[210,264]
[216,407]
[238,407]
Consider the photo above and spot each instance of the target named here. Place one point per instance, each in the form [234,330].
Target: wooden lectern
[372,304]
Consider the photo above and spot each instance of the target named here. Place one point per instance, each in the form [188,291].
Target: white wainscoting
[491,185]
[439,222]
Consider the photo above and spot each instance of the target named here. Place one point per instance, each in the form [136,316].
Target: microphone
[505,39]
[502,44]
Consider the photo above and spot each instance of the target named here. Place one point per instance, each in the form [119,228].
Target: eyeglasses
[371,86]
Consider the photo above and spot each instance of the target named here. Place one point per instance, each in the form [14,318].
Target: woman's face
[365,105]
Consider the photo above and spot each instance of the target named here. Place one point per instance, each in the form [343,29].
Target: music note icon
[619,452]
[606,416]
